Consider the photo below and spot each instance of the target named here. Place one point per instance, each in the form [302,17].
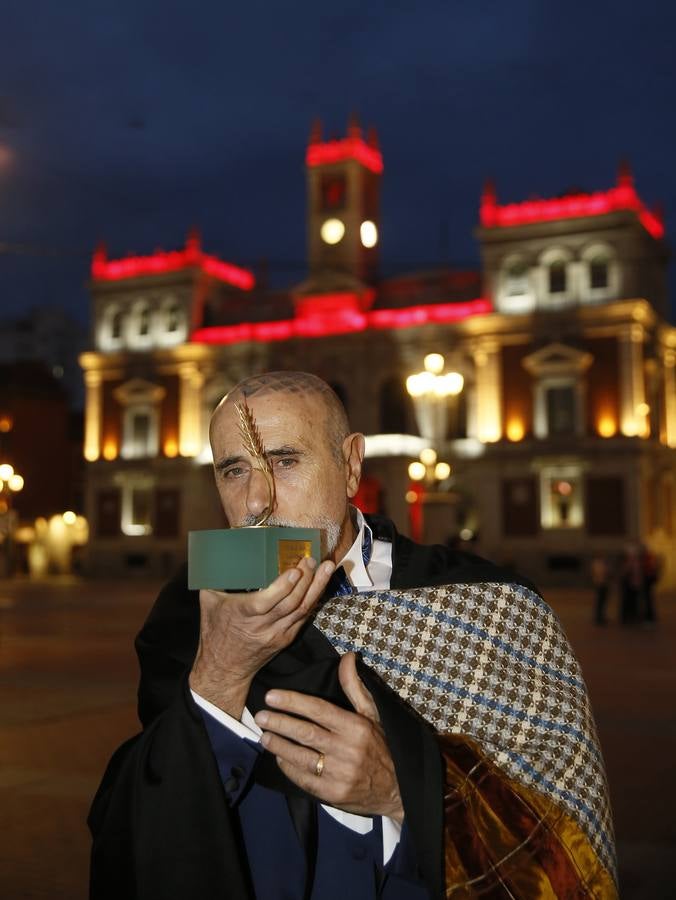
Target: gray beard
[330,531]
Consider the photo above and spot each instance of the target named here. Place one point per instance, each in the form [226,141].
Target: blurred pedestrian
[600,578]
[631,584]
[650,570]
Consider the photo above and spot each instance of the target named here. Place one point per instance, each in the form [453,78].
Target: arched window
[557,275]
[601,273]
[116,323]
[143,320]
[172,319]
[394,407]
[598,272]
[516,279]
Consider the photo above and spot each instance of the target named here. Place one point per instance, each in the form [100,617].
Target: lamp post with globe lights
[11,482]
[430,390]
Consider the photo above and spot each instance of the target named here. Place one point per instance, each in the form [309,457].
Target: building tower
[343,178]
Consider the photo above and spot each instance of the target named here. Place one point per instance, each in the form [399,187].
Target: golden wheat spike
[251,436]
[253,444]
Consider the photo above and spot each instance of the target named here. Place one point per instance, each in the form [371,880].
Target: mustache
[250,519]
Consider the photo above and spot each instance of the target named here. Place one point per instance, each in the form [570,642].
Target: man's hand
[357,774]
[240,633]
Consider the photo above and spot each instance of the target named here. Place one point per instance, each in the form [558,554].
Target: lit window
[140,437]
[561,499]
[137,507]
[517,280]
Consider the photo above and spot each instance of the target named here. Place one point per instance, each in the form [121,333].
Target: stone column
[190,409]
[670,396]
[93,415]
[633,408]
[488,391]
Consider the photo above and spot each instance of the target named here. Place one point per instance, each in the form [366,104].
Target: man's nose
[258,499]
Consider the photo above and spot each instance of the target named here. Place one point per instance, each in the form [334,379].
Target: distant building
[41,438]
[562,440]
[53,338]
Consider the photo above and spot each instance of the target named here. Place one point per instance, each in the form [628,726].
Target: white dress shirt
[374,575]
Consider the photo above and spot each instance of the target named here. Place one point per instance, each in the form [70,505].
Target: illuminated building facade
[562,441]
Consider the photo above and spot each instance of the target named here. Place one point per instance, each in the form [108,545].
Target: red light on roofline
[349,320]
[622,197]
[172,261]
[347,148]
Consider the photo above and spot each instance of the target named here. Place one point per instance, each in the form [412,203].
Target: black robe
[160,822]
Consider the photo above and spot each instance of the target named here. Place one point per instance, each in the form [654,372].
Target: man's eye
[234,472]
[286,462]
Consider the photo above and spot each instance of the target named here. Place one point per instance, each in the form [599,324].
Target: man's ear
[354,446]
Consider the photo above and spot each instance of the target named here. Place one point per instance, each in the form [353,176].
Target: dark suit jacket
[160,824]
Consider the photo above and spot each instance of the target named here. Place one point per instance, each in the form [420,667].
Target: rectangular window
[598,274]
[108,513]
[137,508]
[605,506]
[561,497]
[560,405]
[167,512]
[557,278]
[333,190]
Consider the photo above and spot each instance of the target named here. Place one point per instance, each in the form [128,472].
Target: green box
[234,559]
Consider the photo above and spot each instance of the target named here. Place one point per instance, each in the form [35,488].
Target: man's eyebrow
[227,461]
[285,451]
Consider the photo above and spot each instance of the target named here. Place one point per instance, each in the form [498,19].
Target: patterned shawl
[489,661]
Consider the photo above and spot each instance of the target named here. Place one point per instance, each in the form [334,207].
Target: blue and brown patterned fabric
[489,667]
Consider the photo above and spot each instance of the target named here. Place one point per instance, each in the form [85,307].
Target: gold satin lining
[524,858]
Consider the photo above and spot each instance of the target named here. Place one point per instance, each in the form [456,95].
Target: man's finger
[300,603]
[326,714]
[302,731]
[354,688]
[303,758]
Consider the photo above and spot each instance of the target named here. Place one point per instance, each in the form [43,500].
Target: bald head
[299,385]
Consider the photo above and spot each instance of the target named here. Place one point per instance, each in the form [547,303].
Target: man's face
[311,487]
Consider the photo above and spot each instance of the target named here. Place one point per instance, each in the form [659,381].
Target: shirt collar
[353,561]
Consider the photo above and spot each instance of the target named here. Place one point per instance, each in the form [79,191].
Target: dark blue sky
[131,121]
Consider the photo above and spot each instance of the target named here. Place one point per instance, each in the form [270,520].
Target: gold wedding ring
[319,768]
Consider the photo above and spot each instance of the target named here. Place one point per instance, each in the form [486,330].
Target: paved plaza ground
[67,699]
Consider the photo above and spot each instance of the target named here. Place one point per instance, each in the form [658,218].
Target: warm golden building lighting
[170,448]
[606,426]
[6,472]
[411,496]
[69,517]
[515,430]
[5,424]
[110,450]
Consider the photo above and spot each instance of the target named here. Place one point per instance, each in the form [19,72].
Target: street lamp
[430,390]
[10,483]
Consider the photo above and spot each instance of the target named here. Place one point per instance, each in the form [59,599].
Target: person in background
[600,578]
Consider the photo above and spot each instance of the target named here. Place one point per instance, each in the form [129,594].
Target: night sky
[130,122]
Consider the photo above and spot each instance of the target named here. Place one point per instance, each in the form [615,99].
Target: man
[270,765]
